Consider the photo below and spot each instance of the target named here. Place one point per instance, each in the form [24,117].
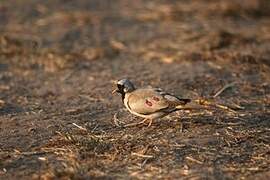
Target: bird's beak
[114,91]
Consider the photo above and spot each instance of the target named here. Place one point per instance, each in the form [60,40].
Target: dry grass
[57,64]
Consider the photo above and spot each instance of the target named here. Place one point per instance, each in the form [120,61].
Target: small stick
[116,120]
[80,127]
[143,163]
[224,88]
[194,160]
[142,155]
[207,103]
[138,123]
[225,107]
[29,153]
[236,106]
[42,158]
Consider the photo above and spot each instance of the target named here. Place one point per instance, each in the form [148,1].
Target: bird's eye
[119,86]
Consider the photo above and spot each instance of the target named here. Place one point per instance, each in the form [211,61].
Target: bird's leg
[141,122]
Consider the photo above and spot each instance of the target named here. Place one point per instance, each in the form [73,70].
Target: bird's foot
[150,122]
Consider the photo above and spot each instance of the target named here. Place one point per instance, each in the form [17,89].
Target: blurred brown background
[58,61]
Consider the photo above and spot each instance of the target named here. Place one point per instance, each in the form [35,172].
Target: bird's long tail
[184,101]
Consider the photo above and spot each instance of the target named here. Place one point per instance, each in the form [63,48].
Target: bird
[148,103]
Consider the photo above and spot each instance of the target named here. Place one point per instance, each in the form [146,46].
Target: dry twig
[80,127]
[224,88]
[142,155]
[194,160]
[116,120]
[208,103]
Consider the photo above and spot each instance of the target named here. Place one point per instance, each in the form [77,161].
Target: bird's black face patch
[121,91]
[124,86]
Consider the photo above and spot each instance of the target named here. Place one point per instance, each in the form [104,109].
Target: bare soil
[58,62]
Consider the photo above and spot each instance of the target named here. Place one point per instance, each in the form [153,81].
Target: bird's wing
[172,99]
[147,101]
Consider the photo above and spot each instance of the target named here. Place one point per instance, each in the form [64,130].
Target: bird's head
[124,86]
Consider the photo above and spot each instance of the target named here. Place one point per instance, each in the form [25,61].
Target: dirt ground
[58,62]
